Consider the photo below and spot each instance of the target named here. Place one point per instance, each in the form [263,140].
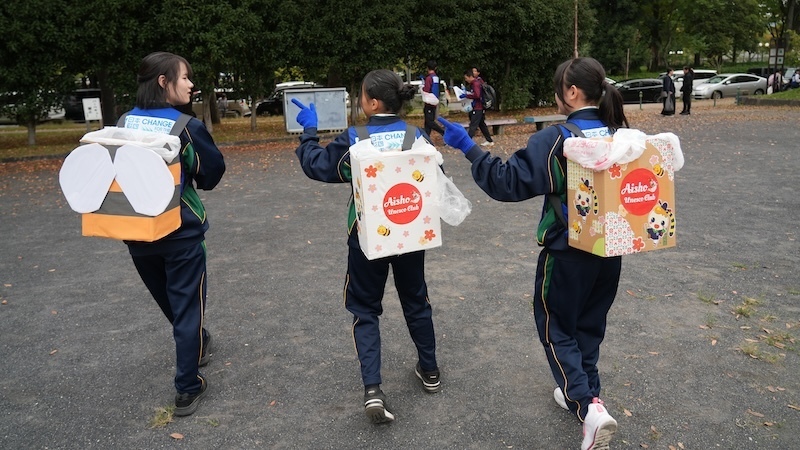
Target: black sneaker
[430,380]
[186,404]
[205,356]
[375,405]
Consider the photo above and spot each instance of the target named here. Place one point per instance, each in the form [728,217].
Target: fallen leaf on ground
[713,342]
[176,436]
[54,352]
[757,414]
[794,407]
[627,413]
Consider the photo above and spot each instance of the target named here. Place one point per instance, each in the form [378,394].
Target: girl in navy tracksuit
[574,289]
[382,97]
[174,267]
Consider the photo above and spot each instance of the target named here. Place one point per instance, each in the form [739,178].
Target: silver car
[729,84]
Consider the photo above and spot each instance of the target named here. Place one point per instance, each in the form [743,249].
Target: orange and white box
[626,207]
[396,199]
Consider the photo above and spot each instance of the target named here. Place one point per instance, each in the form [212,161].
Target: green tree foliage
[524,42]
[342,40]
[659,21]
[244,43]
[728,26]
[32,74]
[104,40]
[618,42]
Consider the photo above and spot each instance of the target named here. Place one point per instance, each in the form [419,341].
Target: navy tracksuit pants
[573,294]
[363,294]
[177,281]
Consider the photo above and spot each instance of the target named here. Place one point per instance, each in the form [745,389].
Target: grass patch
[746,308]
[794,291]
[782,341]
[753,350]
[791,94]
[162,417]
[739,266]
[705,297]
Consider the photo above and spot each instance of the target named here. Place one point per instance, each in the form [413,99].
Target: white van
[700,75]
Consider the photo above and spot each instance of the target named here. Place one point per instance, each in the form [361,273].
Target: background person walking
[686,89]
[431,86]
[476,116]
[668,94]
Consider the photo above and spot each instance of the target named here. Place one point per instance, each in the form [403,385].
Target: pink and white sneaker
[598,427]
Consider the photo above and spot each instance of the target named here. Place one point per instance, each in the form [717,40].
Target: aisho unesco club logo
[402,203]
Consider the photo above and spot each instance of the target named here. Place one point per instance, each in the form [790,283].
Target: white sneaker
[598,427]
[558,395]
[488,144]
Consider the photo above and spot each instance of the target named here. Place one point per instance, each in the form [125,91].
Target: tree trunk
[208,111]
[31,133]
[354,103]
[108,104]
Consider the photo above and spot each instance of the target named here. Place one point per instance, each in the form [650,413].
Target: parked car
[728,84]
[273,105]
[236,107]
[787,74]
[73,105]
[650,89]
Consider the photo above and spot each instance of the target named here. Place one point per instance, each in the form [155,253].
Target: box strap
[555,199]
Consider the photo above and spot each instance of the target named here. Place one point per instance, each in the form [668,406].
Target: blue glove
[463,95]
[456,136]
[307,117]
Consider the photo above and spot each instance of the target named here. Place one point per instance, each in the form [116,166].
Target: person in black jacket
[668,94]
[174,267]
[686,89]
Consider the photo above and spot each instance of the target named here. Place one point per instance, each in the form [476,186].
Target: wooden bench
[543,121]
[496,124]
[540,121]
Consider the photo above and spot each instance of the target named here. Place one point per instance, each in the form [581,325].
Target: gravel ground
[701,349]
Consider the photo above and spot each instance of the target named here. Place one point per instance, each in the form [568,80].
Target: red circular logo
[639,192]
[402,203]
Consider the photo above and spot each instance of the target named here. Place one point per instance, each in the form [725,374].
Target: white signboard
[91,109]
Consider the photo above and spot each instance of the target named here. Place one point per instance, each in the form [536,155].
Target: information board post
[92,111]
